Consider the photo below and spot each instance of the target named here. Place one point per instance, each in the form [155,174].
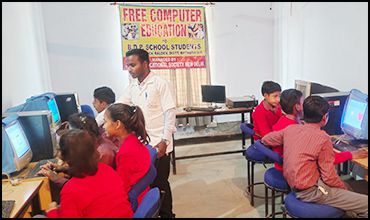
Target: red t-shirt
[100,195]
[284,122]
[132,163]
[264,119]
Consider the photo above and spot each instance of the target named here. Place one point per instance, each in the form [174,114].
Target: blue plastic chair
[149,207]
[140,186]
[253,156]
[88,110]
[273,178]
[299,209]
[152,152]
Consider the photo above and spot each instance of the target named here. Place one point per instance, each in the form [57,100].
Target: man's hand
[161,146]
[360,153]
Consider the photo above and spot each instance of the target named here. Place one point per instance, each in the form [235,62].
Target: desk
[44,191]
[24,194]
[223,111]
[361,162]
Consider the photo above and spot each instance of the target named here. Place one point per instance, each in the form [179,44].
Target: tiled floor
[214,186]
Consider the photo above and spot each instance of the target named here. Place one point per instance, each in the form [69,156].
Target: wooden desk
[44,191]
[361,162]
[24,194]
[222,111]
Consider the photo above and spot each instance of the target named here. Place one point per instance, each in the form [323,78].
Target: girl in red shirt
[95,189]
[133,159]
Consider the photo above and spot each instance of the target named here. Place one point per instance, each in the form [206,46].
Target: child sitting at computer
[133,158]
[95,189]
[268,112]
[309,167]
[291,102]
[103,97]
[106,149]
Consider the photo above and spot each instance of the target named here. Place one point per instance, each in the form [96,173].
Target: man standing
[155,97]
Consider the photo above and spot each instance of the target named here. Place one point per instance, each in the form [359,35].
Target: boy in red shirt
[291,102]
[268,112]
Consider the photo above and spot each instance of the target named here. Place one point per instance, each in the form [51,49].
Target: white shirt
[155,98]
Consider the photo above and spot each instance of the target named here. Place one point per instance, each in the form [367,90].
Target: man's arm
[274,139]
[169,108]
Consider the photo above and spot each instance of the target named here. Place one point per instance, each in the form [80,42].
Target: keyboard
[342,146]
[37,167]
[7,206]
[204,109]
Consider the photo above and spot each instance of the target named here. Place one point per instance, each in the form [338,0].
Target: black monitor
[212,93]
[68,104]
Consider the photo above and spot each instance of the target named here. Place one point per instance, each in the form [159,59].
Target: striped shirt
[308,155]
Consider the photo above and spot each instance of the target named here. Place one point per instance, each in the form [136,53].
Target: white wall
[322,42]
[241,48]
[25,70]
[84,48]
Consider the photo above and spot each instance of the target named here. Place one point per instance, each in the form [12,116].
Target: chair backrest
[149,206]
[267,152]
[247,128]
[141,185]
[152,152]
[88,110]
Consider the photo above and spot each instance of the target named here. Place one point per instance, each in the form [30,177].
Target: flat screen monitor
[68,104]
[18,146]
[54,111]
[213,93]
[354,120]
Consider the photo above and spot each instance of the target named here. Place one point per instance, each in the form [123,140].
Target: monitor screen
[18,139]
[213,94]
[54,110]
[355,113]
[68,104]
[354,120]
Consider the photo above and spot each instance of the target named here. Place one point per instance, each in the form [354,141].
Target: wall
[322,42]
[84,48]
[241,48]
[25,70]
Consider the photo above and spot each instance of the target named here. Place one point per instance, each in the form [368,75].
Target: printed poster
[173,36]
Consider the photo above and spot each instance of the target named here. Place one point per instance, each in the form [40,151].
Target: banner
[173,36]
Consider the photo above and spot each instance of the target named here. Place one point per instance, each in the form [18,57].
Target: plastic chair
[149,207]
[152,152]
[253,157]
[88,110]
[273,178]
[140,186]
[299,209]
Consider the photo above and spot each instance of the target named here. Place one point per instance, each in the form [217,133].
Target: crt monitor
[68,104]
[354,120]
[213,93]
[309,88]
[16,150]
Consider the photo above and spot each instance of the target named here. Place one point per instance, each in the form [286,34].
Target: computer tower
[336,100]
